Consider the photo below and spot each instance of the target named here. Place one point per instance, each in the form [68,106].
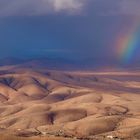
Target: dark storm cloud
[45,7]
[114,7]
[79,29]
[39,7]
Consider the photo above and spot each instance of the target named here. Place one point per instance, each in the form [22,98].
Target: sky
[99,31]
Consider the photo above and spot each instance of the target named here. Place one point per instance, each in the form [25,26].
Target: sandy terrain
[46,104]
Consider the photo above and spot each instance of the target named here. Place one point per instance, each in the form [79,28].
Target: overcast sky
[79,29]
[45,7]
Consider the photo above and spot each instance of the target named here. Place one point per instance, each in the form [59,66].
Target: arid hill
[53,104]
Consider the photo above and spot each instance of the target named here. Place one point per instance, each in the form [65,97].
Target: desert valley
[43,104]
[69,69]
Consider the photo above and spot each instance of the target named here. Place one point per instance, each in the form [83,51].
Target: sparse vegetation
[72,109]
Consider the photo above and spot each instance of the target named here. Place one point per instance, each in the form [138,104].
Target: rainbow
[127,44]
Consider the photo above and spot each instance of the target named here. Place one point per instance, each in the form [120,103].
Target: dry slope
[69,104]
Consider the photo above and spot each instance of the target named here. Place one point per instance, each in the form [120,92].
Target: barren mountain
[53,104]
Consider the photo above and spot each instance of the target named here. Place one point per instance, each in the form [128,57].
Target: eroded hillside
[82,105]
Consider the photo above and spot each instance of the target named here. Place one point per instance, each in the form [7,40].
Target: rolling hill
[56,104]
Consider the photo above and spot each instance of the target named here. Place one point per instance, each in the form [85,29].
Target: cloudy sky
[74,29]
[45,7]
